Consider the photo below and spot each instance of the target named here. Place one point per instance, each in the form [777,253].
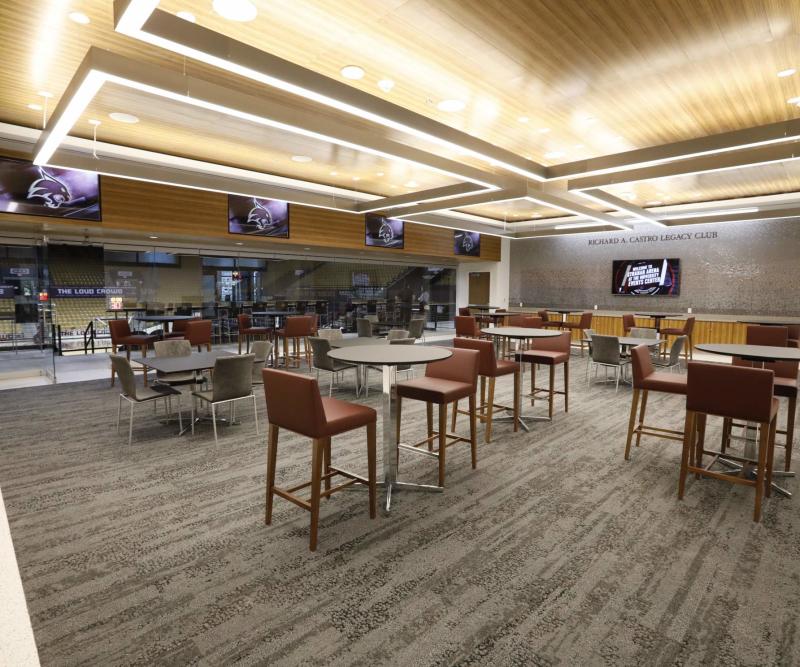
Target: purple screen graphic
[467,243]
[383,232]
[646,277]
[254,216]
[27,189]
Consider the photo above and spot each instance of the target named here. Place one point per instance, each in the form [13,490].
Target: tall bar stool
[581,326]
[686,330]
[198,333]
[121,334]
[178,329]
[545,315]
[489,367]
[733,392]
[294,404]
[645,380]
[794,335]
[786,385]
[552,352]
[444,383]
[463,312]
[295,329]
[628,323]
[467,327]
[248,331]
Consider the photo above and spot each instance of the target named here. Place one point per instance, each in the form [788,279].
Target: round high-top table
[563,312]
[164,319]
[389,357]
[521,333]
[761,354]
[657,317]
[275,314]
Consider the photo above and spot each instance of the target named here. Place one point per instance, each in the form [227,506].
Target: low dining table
[520,333]
[388,357]
[758,354]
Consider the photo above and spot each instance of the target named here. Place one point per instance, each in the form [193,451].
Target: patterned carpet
[554,551]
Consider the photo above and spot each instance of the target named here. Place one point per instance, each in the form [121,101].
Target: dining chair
[135,395]
[261,351]
[394,334]
[467,327]
[673,360]
[232,382]
[628,323]
[416,328]
[606,354]
[550,352]
[198,333]
[294,404]
[176,348]
[295,329]
[330,334]
[320,347]
[364,327]
[121,335]
[686,330]
[248,331]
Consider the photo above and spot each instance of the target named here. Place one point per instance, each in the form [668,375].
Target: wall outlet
[520,304]
[595,306]
[689,310]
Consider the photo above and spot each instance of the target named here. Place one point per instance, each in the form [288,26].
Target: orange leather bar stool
[786,385]
[550,352]
[733,392]
[628,323]
[686,330]
[178,329]
[198,333]
[489,367]
[514,320]
[464,312]
[645,380]
[794,335]
[121,334]
[544,315]
[444,383]
[294,404]
[294,329]
[248,331]
[467,327]
[581,326]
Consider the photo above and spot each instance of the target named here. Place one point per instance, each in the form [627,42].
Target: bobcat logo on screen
[467,243]
[50,190]
[386,232]
[260,216]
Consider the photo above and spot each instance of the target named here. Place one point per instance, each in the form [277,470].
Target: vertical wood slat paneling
[147,208]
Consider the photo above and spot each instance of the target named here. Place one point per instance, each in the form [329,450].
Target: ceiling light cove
[122,117]
[411,184]
[187,16]
[79,17]
[786,72]
[235,10]
[706,214]
[386,85]
[301,158]
[451,106]
[352,72]
[35,107]
[553,155]
[523,119]
[578,225]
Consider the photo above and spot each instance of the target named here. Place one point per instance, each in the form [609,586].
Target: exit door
[479,284]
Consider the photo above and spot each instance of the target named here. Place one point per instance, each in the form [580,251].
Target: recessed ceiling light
[94,121]
[121,117]
[578,145]
[353,72]
[655,202]
[153,237]
[590,120]
[451,106]
[793,100]
[380,173]
[35,107]
[536,215]
[78,17]
[579,225]
[554,154]
[544,130]
[786,72]
[301,158]
[187,16]
[410,184]
[45,93]
[394,187]
[386,85]
[235,10]
[523,119]
[333,173]
[356,178]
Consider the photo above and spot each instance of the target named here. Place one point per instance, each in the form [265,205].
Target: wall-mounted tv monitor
[253,216]
[57,193]
[383,232]
[646,277]
[467,243]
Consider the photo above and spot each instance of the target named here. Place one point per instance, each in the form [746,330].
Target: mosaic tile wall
[744,267]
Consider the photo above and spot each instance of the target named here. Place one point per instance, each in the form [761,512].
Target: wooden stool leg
[372,475]
[442,440]
[688,443]
[316,479]
[429,414]
[645,394]
[552,388]
[566,386]
[489,412]
[701,442]
[473,429]
[272,454]
[790,432]
[631,422]
[327,466]
[726,434]
[455,415]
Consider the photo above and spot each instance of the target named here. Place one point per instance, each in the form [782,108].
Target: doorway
[479,284]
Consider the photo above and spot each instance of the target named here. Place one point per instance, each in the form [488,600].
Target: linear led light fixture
[708,214]
[577,210]
[580,225]
[620,204]
[98,66]
[132,18]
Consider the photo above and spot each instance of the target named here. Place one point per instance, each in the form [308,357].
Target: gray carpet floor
[554,551]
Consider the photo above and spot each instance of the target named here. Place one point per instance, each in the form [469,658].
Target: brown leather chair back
[296,326]
[118,329]
[767,335]
[179,326]
[628,322]
[794,331]
[245,321]
[466,326]
[544,315]
[532,322]
[293,402]
[461,366]
[558,343]
[198,332]
[487,362]
[586,320]
[688,328]
[730,391]
[642,364]
[515,320]
[463,312]
[310,324]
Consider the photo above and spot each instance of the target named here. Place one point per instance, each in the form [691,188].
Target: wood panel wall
[150,208]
